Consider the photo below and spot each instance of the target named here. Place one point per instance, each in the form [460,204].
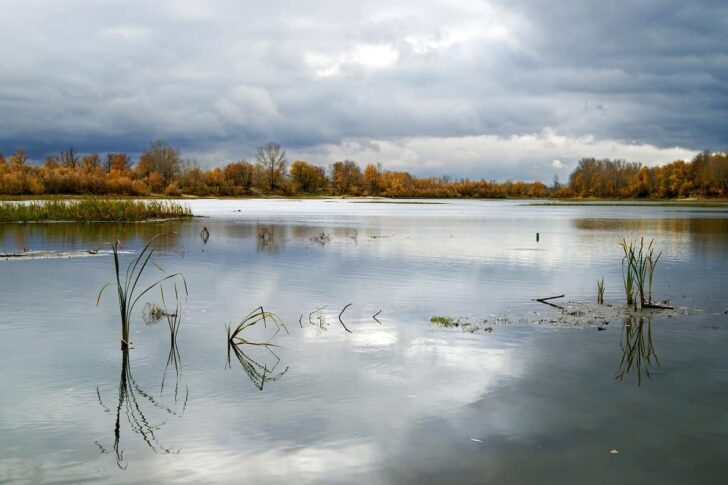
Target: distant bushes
[706,176]
[161,170]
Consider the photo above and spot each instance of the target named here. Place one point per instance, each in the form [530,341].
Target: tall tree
[271,159]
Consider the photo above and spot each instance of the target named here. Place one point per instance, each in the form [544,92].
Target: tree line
[162,170]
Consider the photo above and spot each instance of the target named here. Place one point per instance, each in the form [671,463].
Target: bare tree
[69,158]
[271,159]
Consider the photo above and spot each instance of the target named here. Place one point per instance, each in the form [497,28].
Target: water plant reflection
[137,404]
[638,353]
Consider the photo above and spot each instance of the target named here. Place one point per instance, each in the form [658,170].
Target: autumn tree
[160,159]
[91,162]
[19,159]
[119,162]
[372,179]
[307,177]
[346,177]
[239,174]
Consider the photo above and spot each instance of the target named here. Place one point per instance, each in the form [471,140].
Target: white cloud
[532,156]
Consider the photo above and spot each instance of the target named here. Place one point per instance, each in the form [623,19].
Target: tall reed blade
[126,286]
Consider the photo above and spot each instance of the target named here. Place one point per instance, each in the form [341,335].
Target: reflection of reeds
[132,399]
[258,373]
[126,288]
[638,352]
[600,291]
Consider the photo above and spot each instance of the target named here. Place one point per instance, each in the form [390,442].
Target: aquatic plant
[638,353]
[253,318]
[258,373]
[99,210]
[627,273]
[463,324]
[641,262]
[600,291]
[444,321]
[126,287]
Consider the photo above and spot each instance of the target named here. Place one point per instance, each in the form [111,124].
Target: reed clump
[126,286]
[253,318]
[638,269]
[92,210]
[600,291]
[258,373]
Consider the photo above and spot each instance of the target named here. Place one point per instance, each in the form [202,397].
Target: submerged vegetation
[126,287]
[97,210]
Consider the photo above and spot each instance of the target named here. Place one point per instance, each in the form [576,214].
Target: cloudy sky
[493,89]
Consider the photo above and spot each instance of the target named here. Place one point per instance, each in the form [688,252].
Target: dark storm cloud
[219,78]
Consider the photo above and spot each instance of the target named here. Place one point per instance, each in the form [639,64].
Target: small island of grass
[97,210]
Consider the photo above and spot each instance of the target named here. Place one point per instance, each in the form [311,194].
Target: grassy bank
[103,210]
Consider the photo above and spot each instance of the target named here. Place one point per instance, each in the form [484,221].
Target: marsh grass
[600,291]
[126,286]
[464,325]
[638,268]
[97,210]
[444,321]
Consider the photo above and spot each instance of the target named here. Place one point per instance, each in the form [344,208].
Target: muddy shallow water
[399,399]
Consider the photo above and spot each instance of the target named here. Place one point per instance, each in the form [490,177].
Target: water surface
[396,400]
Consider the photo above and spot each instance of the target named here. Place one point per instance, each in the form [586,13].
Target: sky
[518,89]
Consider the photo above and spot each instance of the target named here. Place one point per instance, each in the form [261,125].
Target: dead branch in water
[546,302]
[341,321]
[375,317]
[657,306]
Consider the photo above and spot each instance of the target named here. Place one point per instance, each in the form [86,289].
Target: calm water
[392,402]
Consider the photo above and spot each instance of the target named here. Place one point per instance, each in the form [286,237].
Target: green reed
[126,286]
[639,270]
[600,291]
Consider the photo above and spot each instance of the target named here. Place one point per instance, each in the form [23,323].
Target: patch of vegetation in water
[92,210]
[463,324]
